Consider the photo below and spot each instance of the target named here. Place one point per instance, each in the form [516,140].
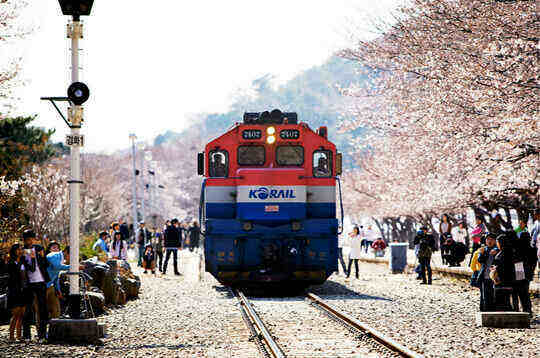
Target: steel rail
[274,348]
[381,338]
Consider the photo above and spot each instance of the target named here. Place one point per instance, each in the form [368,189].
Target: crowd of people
[154,247]
[503,263]
[34,292]
[503,266]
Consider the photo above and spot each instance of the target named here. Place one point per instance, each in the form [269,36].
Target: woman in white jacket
[118,248]
[356,248]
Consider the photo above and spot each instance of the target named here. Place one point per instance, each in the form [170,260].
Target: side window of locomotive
[290,155]
[322,164]
[251,155]
[218,165]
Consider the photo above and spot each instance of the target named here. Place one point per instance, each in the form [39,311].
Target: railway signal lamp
[78,93]
[76,8]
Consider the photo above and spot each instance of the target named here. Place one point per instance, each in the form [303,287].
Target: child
[378,247]
[149,259]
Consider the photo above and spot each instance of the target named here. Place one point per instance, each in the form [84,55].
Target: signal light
[270,139]
[270,130]
[78,93]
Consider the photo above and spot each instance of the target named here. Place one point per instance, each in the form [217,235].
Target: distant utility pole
[143,212]
[133,138]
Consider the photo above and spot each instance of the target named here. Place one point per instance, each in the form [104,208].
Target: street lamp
[133,139]
[141,146]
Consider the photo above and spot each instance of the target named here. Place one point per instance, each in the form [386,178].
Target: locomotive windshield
[251,155]
[219,163]
[322,163]
[290,155]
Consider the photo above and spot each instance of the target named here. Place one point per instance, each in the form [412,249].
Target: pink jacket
[477,233]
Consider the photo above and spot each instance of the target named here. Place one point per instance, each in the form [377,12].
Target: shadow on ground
[330,290]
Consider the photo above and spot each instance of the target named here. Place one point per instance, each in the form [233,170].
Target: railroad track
[291,338]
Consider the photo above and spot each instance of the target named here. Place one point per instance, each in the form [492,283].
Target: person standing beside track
[356,250]
[194,236]
[36,264]
[341,243]
[486,257]
[158,249]
[370,236]
[426,245]
[172,241]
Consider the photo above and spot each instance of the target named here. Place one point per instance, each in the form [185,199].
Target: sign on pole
[75,140]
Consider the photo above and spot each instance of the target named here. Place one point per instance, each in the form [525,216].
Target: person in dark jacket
[124,229]
[486,257]
[18,294]
[143,236]
[36,264]
[526,255]
[194,236]
[503,273]
[172,241]
[426,247]
[158,249]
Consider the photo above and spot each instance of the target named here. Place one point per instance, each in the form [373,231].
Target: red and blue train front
[269,203]
[271,231]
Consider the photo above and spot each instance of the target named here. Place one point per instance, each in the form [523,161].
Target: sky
[151,65]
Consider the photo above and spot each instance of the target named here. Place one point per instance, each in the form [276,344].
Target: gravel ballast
[436,320]
[183,317]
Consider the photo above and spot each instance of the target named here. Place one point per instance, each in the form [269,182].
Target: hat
[141,222]
[174,221]
[28,234]
[53,243]
[103,234]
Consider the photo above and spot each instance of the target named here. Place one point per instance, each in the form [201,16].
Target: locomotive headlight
[270,139]
[270,130]
[247,226]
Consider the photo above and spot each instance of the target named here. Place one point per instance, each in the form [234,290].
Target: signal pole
[75,117]
[77,93]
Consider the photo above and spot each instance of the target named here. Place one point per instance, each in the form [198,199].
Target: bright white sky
[150,64]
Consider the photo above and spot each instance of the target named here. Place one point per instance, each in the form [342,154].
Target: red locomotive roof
[270,172]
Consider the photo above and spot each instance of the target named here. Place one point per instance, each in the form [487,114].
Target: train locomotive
[268,202]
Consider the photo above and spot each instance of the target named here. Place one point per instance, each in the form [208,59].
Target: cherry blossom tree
[451,110]
[11,29]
